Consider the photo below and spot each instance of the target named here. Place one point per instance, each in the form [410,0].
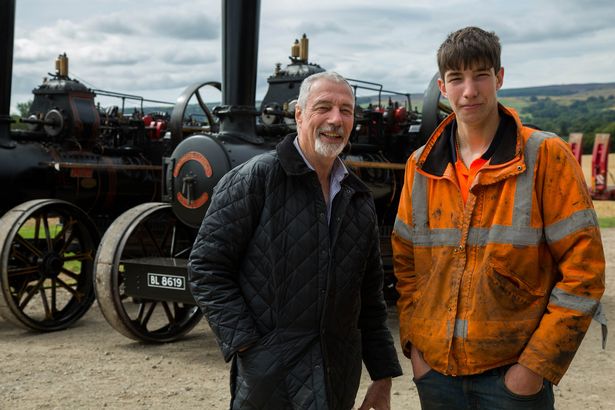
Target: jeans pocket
[531,397]
[423,376]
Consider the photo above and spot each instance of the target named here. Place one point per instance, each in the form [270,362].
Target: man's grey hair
[306,85]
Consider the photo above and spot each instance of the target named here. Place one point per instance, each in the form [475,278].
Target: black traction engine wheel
[47,250]
[147,230]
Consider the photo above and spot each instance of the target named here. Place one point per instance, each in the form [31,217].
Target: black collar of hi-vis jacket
[502,148]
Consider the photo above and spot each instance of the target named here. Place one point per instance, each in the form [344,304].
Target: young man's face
[324,125]
[472,93]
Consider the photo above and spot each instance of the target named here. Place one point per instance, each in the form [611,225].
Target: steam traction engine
[64,178]
[140,274]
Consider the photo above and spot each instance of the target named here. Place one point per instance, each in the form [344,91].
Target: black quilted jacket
[305,297]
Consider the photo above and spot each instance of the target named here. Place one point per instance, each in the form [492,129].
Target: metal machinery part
[73,170]
[47,250]
[141,266]
[141,277]
[195,167]
[179,125]
[7,31]
[150,240]
[434,108]
[54,122]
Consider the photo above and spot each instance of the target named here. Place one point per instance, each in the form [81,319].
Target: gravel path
[90,366]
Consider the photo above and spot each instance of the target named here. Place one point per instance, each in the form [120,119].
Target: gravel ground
[90,366]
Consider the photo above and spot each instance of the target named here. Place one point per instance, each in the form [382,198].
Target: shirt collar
[339,170]
[495,142]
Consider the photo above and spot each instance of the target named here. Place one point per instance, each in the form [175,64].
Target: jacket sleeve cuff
[229,350]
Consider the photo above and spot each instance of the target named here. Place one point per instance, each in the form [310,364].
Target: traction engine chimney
[7,30]
[240,27]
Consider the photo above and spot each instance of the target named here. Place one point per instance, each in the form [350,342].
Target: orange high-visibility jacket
[515,274]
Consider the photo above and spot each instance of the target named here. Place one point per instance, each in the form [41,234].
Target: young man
[496,246]
[287,268]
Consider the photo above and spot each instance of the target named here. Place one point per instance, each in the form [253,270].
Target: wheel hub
[52,264]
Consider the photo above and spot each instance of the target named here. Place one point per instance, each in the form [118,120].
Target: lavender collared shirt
[338,173]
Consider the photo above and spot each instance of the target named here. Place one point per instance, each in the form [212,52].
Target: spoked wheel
[435,108]
[147,231]
[183,122]
[47,259]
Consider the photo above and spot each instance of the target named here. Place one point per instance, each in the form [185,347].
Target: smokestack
[240,26]
[7,30]
[304,48]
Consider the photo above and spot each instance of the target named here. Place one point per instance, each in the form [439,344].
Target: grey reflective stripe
[524,235]
[579,220]
[520,233]
[567,300]
[420,233]
[419,200]
[600,317]
[517,235]
[419,218]
[522,211]
[461,328]
[581,304]
[402,230]
[437,237]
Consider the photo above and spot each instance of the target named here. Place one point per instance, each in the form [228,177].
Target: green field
[27,231]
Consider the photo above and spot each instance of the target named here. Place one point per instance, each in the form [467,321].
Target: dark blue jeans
[481,391]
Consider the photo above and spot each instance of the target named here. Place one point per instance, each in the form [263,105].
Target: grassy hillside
[564,109]
[562,94]
[558,90]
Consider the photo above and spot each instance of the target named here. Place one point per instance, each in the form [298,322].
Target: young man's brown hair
[465,48]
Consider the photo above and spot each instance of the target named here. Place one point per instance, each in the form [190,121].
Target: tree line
[596,114]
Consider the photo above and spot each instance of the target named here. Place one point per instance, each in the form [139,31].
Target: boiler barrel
[100,185]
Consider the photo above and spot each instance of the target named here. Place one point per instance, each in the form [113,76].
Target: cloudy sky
[159,47]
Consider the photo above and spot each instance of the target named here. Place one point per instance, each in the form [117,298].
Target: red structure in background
[576,144]
[599,188]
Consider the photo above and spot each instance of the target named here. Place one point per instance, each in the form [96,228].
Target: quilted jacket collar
[293,164]
[290,158]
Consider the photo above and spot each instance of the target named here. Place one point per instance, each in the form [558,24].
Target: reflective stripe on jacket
[516,274]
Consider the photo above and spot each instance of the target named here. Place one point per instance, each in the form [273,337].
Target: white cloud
[159,47]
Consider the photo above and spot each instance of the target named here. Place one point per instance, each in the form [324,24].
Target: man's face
[325,124]
[472,93]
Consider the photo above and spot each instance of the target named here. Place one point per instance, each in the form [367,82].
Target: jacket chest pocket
[509,293]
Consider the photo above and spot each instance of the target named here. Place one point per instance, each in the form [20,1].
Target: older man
[287,268]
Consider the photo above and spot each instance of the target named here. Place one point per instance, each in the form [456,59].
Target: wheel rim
[178,125]
[144,231]
[48,250]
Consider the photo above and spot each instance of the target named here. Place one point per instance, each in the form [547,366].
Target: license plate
[157,280]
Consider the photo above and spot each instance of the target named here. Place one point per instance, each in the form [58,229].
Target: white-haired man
[287,268]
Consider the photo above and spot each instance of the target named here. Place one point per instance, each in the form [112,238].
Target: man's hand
[378,396]
[419,365]
[522,381]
